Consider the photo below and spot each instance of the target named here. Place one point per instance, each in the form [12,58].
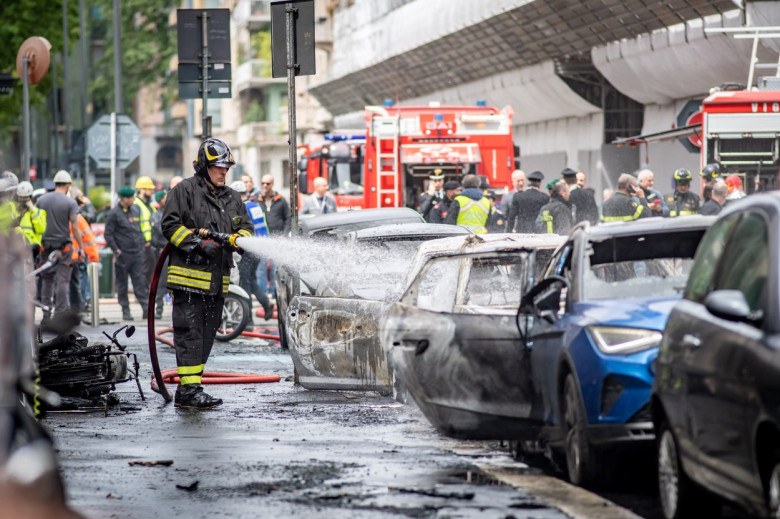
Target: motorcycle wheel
[236,315]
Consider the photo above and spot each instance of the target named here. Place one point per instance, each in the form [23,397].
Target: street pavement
[277,449]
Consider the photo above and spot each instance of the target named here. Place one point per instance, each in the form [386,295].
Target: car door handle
[691,341]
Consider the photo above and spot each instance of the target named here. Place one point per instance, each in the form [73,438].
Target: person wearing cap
[518,186]
[526,206]
[247,267]
[433,195]
[158,244]
[62,212]
[471,207]
[709,174]
[583,202]
[734,183]
[319,202]
[125,239]
[555,217]
[439,212]
[32,222]
[627,204]
[143,200]
[496,220]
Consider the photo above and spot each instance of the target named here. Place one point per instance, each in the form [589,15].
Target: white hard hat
[24,189]
[39,192]
[238,186]
[10,181]
[63,177]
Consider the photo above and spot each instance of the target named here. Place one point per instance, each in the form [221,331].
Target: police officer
[682,202]
[434,195]
[124,237]
[555,216]
[623,206]
[526,206]
[471,208]
[199,271]
[440,210]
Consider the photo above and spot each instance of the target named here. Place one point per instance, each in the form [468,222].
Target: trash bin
[106,273]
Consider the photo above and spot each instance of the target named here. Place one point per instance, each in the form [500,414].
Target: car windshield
[640,266]
[345,178]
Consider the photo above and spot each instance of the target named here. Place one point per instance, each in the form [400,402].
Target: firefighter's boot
[192,396]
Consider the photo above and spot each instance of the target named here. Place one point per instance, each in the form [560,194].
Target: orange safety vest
[87,239]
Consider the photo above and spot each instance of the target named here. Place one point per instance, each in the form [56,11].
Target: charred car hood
[647,312]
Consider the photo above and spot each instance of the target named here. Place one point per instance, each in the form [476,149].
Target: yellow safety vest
[8,216]
[473,214]
[146,218]
[33,225]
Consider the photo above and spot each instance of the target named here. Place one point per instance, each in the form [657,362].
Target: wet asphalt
[278,450]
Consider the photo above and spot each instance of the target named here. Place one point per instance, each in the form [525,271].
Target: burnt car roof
[644,226]
[411,230]
[358,219]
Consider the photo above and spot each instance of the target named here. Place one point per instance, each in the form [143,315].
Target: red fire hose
[171,375]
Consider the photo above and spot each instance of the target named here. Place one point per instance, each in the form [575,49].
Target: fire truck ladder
[755,34]
[386,144]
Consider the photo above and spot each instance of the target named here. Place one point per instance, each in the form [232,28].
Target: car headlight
[615,340]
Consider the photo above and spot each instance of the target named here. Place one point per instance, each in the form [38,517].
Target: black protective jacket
[585,206]
[555,217]
[622,208]
[192,205]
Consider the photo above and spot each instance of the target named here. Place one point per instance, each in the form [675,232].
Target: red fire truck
[340,161]
[404,144]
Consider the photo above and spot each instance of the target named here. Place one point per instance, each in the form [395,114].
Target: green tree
[148,44]
[22,19]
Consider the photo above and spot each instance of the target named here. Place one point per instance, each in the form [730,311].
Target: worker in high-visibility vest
[32,223]
[627,204]
[471,208]
[145,189]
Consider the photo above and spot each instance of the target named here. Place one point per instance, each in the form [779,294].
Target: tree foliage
[22,19]
[148,43]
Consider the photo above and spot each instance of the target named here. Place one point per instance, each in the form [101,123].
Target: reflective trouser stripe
[181,233]
[190,374]
[548,220]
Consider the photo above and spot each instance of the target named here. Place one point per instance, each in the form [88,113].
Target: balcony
[255,73]
[264,133]
[252,14]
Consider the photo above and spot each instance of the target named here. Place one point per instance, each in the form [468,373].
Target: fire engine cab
[340,161]
[405,144]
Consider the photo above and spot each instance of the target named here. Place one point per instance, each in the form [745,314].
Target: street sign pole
[290,12]
[112,146]
[206,133]
[26,100]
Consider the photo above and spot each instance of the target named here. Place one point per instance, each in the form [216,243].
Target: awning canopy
[440,153]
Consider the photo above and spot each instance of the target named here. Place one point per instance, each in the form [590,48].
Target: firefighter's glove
[209,248]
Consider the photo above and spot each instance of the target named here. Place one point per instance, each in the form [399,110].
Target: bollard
[94,280]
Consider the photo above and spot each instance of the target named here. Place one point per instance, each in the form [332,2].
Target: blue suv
[593,323]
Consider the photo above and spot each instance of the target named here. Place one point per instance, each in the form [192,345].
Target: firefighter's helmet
[710,171]
[144,183]
[682,176]
[213,152]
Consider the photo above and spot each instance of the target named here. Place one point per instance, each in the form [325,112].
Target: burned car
[452,338]
[332,332]
[329,227]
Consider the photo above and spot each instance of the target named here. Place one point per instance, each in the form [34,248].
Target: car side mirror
[732,306]
[543,300]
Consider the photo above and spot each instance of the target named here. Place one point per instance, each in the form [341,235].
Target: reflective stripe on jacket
[146,218]
[622,208]
[33,225]
[473,213]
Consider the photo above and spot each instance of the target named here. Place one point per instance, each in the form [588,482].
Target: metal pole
[292,68]
[83,180]
[93,269]
[65,100]
[55,114]
[206,130]
[25,173]
[118,95]
[112,145]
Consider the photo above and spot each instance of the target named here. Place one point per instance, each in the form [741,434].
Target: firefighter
[734,184]
[709,174]
[555,217]
[32,223]
[682,202]
[622,206]
[471,208]
[199,271]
